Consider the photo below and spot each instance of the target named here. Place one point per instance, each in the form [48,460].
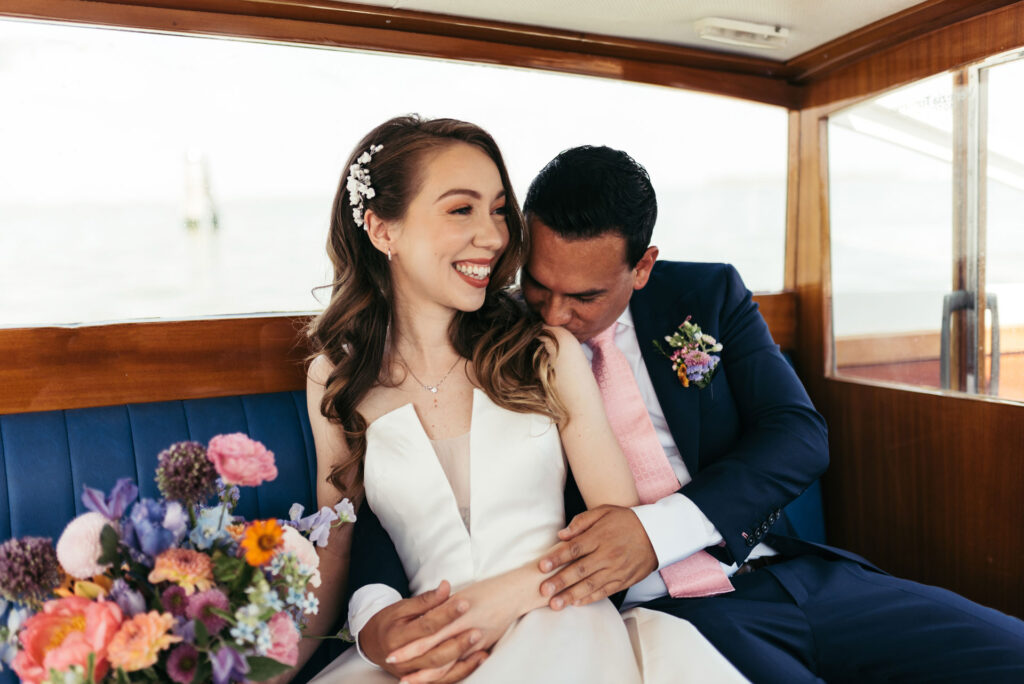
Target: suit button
[750,541]
[763,528]
[773,517]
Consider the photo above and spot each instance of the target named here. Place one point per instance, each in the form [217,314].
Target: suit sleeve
[780,443]
[374,558]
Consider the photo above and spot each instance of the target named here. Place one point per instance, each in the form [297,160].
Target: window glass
[147,175]
[890,204]
[1003,224]
[926,186]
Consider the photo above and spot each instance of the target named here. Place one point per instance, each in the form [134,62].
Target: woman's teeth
[477,271]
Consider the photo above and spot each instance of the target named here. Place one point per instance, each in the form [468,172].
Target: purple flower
[154,527]
[182,664]
[228,664]
[199,605]
[318,525]
[128,600]
[185,473]
[186,630]
[175,600]
[28,569]
[111,507]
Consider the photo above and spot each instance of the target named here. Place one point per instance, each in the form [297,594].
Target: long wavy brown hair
[502,340]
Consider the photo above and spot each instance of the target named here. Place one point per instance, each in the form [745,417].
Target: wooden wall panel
[929,487]
[53,368]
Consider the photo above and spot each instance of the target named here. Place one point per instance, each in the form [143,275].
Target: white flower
[79,547]
[717,348]
[296,543]
[707,339]
[364,158]
[345,510]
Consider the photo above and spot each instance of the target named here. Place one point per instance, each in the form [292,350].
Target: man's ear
[642,270]
[380,232]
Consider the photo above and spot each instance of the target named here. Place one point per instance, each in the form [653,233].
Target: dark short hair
[588,191]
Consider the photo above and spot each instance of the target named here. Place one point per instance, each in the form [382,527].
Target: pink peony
[64,634]
[285,639]
[79,546]
[295,542]
[240,460]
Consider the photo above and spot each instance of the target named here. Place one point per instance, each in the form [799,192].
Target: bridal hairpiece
[358,185]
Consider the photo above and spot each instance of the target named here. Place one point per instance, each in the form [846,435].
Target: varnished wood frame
[926,484]
[76,367]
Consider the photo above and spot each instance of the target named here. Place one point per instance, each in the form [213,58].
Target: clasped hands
[442,638]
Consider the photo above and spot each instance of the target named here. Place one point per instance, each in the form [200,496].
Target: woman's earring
[389,254]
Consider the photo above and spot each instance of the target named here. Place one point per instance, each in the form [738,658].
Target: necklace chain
[430,388]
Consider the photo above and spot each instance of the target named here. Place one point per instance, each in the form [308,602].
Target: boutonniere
[693,354]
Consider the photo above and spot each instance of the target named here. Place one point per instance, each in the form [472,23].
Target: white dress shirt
[675,525]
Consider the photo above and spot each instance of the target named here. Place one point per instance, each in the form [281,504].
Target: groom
[741,448]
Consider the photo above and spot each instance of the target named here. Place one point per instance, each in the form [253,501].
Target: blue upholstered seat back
[46,457]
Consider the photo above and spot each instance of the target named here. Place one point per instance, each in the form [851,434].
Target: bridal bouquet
[177,589]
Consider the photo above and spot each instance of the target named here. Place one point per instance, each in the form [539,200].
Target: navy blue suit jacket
[751,440]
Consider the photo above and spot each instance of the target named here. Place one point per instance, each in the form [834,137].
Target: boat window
[147,175]
[925,189]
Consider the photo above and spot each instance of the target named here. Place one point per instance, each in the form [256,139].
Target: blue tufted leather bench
[46,457]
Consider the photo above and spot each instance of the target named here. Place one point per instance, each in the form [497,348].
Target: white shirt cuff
[367,602]
[676,527]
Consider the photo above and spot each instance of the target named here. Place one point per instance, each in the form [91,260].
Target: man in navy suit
[742,448]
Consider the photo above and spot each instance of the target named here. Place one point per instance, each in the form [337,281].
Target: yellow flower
[97,587]
[189,569]
[140,640]
[262,539]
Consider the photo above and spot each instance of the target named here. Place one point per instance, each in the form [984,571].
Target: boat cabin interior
[169,167]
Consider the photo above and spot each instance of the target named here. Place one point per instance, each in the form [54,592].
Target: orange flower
[262,539]
[140,640]
[681,373]
[64,634]
[189,569]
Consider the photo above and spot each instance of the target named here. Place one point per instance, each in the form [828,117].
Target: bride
[454,412]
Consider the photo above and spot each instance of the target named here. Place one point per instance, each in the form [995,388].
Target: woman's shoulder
[319,370]
[565,350]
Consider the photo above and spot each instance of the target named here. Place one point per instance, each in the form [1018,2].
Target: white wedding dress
[509,517]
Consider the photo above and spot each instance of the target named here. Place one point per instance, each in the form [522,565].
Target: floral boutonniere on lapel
[693,354]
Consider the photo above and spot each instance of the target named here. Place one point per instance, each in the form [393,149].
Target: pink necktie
[699,574]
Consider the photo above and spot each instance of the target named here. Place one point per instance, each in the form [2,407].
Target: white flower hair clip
[358,185]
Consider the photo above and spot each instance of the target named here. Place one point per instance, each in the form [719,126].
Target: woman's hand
[493,605]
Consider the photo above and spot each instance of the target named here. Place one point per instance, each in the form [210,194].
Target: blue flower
[111,507]
[128,600]
[154,526]
[211,526]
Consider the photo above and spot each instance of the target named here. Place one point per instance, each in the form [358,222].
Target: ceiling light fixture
[742,33]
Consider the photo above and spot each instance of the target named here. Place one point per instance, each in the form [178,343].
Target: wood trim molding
[898,28]
[44,369]
[939,50]
[76,367]
[335,24]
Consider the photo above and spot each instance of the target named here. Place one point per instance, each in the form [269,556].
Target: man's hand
[415,618]
[607,551]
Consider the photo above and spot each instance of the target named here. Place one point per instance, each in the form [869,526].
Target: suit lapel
[653,308]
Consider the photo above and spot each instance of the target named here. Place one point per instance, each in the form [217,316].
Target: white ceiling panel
[811,22]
